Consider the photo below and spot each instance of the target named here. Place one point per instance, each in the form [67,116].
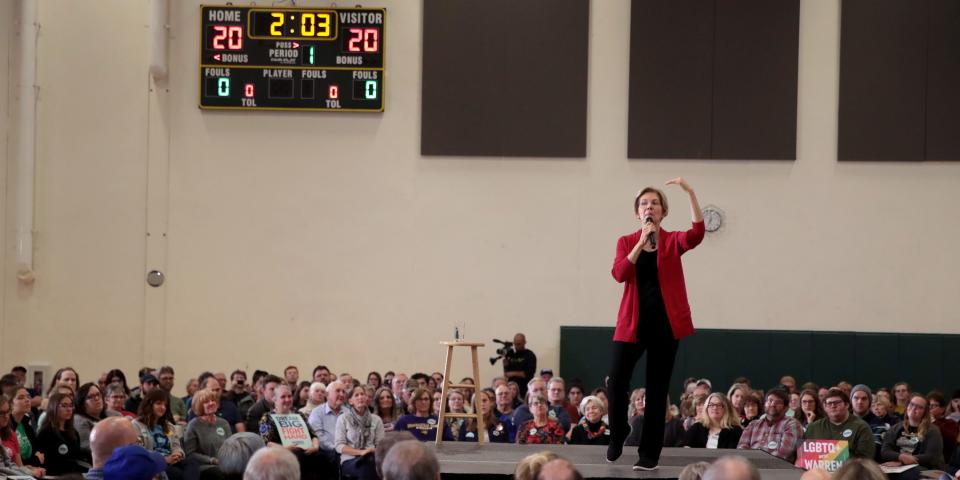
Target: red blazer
[670,246]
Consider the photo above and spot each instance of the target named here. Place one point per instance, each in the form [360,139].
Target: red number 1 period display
[366,40]
[233,34]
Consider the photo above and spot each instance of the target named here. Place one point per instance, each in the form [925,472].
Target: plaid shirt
[776,438]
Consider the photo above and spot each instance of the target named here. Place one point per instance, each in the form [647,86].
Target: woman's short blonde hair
[201,397]
[730,418]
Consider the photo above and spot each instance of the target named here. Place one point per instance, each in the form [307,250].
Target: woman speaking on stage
[654,316]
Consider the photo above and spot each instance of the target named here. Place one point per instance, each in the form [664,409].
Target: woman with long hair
[717,427]
[638,403]
[358,433]
[542,429]
[156,431]
[116,376]
[374,380]
[915,440]
[21,422]
[455,404]
[497,429]
[385,407]
[736,395]
[654,316]
[58,440]
[10,444]
[810,408]
[64,377]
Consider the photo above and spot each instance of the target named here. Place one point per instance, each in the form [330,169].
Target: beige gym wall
[305,238]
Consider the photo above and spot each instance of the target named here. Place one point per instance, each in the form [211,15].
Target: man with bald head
[520,364]
[732,467]
[108,435]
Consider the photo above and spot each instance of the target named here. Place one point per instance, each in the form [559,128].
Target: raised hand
[681,183]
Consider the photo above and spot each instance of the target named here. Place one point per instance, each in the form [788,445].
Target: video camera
[506,349]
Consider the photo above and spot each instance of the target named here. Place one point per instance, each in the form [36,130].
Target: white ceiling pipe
[159,12]
[26,145]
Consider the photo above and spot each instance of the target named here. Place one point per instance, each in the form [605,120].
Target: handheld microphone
[652,237]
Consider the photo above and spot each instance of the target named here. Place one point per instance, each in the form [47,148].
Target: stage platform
[492,460]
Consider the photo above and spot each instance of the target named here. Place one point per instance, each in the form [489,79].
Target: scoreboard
[313,59]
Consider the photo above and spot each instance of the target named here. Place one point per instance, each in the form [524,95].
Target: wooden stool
[447,385]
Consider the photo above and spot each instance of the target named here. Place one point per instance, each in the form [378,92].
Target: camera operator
[520,365]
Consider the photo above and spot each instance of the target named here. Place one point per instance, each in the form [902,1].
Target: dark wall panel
[671,57]
[943,79]
[459,80]
[882,80]
[877,359]
[755,79]
[505,78]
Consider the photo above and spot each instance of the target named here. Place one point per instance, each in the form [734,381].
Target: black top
[31,437]
[255,413]
[653,314]
[525,361]
[696,437]
[61,452]
[673,432]
[583,431]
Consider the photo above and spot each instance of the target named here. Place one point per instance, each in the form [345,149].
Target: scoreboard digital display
[314,59]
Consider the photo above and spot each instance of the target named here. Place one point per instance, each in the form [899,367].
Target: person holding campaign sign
[914,441]
[838,436]
[285,427]
[654,315]
[358,433]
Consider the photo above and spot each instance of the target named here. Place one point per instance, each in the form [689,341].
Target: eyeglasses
[833,403]
[714,405]
[117,397]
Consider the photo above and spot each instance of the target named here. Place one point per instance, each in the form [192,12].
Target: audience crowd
[331,425]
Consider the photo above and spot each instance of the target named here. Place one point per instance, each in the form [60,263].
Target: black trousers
[661,349]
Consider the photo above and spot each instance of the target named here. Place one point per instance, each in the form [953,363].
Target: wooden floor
[463,460]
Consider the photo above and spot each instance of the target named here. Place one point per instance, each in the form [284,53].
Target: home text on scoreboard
[313,59]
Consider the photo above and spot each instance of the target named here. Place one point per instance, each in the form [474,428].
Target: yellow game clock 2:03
[293,24]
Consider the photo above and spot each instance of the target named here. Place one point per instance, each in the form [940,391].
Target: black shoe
[645,465]
[614,450]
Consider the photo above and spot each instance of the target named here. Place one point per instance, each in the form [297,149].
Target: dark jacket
[696,437]
[929,450]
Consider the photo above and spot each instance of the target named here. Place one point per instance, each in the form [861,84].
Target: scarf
[362,423]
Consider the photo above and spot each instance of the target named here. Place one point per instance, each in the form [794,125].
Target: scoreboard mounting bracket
[292,58]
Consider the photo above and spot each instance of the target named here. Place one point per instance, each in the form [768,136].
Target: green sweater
[853,430]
